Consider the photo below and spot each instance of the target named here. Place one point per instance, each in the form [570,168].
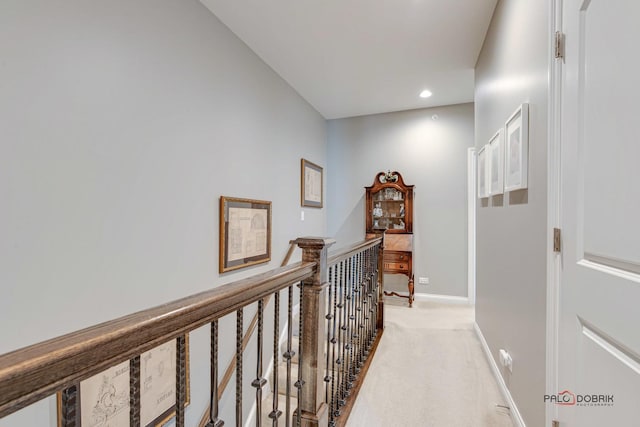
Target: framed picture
[104,398]
[517,149]
[245,233]
[495,164]
[483,191]
[310,184]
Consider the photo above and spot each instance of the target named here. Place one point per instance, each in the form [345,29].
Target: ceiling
[356,57]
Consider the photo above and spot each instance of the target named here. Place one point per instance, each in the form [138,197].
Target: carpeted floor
[429,370]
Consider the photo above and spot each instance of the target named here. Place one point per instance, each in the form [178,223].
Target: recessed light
[425,93]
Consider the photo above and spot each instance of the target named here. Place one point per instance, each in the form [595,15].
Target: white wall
[121,125]
[511,229]
[430,154]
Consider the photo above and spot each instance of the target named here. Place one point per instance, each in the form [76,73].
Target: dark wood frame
[162,419]
[304,164]
[231,202]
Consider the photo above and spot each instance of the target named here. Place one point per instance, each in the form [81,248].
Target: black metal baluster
[288,355]
[239,327]
[214,421]
[259,382]
[300,381]
[376,286]
[352,322]
[70,400]
[339,398]
[329,316]
[365,304]
[332,395]
[349,322]
[181,379]
[134,392]
[370,307]
[364,294]
[275,413]
[359,312]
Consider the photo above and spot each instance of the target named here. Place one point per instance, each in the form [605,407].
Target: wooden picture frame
[495,164]
[157,385]
[311,184]
[517,149]
[483,190]
[245,233]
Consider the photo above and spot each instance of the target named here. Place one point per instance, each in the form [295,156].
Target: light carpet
[429,370]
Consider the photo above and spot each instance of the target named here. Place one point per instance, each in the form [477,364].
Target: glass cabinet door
[388,212]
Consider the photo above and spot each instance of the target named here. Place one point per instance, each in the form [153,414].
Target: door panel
[599,336]
[608,72]
[622,375]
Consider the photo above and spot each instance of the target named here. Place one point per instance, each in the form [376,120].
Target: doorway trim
[471,225]
[554,213]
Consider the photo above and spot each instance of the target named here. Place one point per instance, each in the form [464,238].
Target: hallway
[429,370]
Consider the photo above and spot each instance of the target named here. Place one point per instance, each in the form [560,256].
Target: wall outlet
[423,280]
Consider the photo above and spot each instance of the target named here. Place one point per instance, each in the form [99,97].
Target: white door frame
[471,225]
[554,197]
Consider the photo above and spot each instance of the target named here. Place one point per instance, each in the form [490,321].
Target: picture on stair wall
[104,398]
[483,190]
[495,164]
[245,233]
[517,149]
[310,184]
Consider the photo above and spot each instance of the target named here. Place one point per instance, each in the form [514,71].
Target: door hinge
[557,240]
[555,423]
[559,45]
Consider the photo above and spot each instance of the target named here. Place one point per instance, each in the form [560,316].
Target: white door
[599,331]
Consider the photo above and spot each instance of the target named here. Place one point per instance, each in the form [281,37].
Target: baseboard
[515,414]
[448,299]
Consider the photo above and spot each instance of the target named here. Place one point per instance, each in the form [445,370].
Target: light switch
[301,215]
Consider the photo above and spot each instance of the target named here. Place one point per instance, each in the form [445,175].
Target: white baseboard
[515,413]
[447,299]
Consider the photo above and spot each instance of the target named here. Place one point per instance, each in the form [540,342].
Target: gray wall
[121,125]
[430,154]
[511,230]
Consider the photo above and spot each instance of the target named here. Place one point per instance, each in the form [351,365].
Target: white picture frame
[495,164]
[483,191]
[517,149]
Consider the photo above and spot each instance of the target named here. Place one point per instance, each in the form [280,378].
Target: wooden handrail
[35,372]
[352,250]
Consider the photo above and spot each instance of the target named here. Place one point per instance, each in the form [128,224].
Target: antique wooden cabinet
[389,209]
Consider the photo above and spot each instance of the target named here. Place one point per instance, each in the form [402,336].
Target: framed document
[495,165]
[517,149]
[245,233]
[104,398]
[311,184]
[483,190]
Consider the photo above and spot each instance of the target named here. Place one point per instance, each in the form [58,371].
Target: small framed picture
[517,149]
[245,233]
[310,184]
[482,173]
[495,164]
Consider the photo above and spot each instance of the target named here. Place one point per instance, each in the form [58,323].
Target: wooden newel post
[314,410]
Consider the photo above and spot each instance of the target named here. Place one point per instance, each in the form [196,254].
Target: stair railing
[60,364]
